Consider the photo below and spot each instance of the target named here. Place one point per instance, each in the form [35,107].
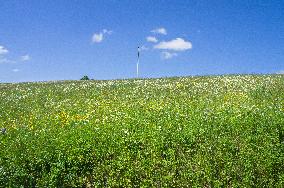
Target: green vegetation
[219,131]
[85,78]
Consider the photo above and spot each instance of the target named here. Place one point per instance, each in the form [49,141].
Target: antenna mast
[137,65]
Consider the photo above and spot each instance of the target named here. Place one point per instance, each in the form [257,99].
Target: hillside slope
[173,132]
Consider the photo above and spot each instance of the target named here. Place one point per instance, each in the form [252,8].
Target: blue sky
[62,40]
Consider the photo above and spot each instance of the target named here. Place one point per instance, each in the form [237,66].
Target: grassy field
[215,131]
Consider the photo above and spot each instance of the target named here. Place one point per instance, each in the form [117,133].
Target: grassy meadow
[211,131]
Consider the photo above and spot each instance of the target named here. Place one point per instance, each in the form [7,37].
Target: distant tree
[85,78]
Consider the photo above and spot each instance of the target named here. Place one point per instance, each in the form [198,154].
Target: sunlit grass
[172,132]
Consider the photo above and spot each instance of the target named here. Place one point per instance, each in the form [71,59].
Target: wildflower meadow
[203,131]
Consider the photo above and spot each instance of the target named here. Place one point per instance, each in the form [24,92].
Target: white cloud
[5,60]
[25,57]
[15,70]
[99,37]
[3,50]
[143,48]
[177,44]
[280,72]
[105,31]
[168,55]
[151,39]
[161,30]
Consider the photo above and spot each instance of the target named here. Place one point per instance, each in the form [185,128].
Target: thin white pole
[137,68]
[137,65]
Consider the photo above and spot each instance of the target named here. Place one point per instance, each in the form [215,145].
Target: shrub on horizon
[85,78]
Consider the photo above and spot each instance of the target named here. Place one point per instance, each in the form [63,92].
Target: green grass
[215,131]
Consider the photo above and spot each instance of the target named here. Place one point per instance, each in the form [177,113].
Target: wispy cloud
[177,44]
[105,31]
[168,55]
[3,50]
[143,48]
[160,30]
[99,37]
[15,70]
[151,39]
[5,60]
[25,57]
